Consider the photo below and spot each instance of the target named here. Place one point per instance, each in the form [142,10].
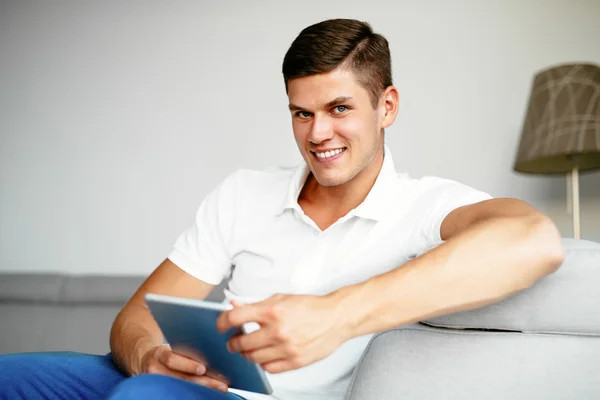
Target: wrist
[142,350]
[345,311]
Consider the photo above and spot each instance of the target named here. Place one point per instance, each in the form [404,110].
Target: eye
[303,114]
[340,109]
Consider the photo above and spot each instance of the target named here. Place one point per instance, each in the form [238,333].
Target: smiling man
[321,256]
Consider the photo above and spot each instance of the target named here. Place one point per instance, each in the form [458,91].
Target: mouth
[329,155]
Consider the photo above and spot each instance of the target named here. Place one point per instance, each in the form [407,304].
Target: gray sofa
[543,343]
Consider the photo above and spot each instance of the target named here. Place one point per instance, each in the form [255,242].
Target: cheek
[300,132]
[352,128]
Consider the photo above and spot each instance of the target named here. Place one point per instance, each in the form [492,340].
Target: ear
[389,106]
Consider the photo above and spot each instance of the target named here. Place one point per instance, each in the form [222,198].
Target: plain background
[118,117]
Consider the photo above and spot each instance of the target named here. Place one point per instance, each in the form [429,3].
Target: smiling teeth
[331,153]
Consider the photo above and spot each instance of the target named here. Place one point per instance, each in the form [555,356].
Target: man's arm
[493,249]
[134,331]
[136,341]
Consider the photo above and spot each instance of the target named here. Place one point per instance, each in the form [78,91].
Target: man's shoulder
[428,182]
[256,193]
[257,188]
[249,179]
[437,187]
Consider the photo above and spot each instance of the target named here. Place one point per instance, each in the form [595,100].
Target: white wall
[116,118]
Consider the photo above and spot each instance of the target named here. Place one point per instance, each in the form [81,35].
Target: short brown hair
[324,46]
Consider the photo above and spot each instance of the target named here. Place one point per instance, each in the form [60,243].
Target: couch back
[53,312]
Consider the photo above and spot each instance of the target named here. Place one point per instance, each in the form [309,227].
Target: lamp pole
[575,197]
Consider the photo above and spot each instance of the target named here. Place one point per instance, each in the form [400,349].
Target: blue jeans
[36,376]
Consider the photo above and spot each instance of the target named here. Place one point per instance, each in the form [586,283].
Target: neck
[345,197]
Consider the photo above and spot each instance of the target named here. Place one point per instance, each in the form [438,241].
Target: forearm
[133,334]
[483,264]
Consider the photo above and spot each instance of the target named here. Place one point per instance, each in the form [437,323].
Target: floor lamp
[561,132]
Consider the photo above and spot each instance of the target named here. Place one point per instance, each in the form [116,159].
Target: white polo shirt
[251,230]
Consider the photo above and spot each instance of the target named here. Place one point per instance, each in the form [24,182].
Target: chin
[329,180]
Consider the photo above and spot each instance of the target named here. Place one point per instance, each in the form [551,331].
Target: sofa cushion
[429,364]
[52,312]
[73,289]
[57,288]
[35,327]
[100,289]
[567,301]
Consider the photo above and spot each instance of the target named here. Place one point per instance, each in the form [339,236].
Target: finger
[237,317]
[214,383]
[223,321]
[283,365]
[251,341]
[209,382]
[267,354]
[178,362]
[260,313]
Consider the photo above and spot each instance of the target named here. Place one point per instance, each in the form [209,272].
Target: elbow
[115,331]
[547,244]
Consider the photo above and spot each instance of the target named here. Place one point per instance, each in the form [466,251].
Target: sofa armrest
[541,343]
[431,363]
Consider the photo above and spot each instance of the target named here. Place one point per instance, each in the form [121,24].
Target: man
[322,256]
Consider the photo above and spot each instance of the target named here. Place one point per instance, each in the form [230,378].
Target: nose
[321,130]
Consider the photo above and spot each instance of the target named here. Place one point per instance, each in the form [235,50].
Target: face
[337,130]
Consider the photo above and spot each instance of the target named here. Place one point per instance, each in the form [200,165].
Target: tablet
[190,328]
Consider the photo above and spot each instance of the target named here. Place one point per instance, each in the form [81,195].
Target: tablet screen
[190,328]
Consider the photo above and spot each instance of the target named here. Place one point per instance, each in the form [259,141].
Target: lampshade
[562,125]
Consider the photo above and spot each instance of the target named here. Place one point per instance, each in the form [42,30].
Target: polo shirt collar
[374,206]
[295,187]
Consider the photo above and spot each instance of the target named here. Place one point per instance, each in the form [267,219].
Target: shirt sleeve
[202,250]
[437,199]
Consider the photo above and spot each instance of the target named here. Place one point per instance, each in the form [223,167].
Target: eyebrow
[332,103]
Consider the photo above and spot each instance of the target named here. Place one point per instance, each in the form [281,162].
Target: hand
[162,360]
[296,330]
